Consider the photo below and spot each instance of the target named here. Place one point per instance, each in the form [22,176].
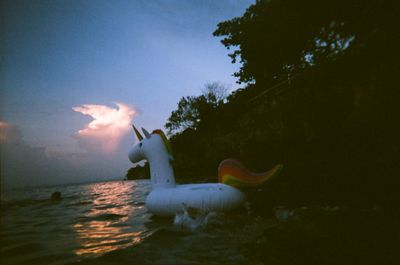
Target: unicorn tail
[232,172]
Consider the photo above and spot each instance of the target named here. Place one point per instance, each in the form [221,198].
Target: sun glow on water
[105,226]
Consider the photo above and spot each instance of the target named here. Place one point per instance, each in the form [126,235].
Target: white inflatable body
[167,198]
[206,197]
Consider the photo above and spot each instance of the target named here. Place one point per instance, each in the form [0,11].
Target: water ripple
[91,220]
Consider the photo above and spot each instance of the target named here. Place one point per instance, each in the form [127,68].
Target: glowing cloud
[108,127]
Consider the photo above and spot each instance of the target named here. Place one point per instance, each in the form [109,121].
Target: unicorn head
[156,149]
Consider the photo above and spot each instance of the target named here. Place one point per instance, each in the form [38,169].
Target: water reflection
[109,223]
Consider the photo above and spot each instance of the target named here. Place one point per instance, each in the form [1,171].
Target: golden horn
[138,135]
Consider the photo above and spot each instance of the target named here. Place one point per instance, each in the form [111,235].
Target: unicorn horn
[138,135]
[146,133]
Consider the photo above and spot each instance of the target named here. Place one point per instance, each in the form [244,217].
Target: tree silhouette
[273,36]
[320,94]
[192,109]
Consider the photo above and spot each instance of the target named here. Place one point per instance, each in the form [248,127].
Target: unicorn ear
[146,133]
[138,135]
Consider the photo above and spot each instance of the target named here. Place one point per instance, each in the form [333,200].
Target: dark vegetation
[320,94]
[138,172]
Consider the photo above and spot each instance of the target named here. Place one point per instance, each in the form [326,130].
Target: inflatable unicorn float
[167,198]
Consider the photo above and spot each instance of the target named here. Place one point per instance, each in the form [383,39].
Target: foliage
[192,109]
[320,95]
[138,172]
[275,37]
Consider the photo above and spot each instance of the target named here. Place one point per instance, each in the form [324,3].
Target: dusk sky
[75,74]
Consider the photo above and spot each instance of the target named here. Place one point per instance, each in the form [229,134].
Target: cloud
[24,165]
[104,133]
[21,164]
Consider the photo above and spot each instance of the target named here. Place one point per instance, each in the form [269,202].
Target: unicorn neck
[161,172]
[156,153]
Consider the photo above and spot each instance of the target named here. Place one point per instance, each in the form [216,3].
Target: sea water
[106,223]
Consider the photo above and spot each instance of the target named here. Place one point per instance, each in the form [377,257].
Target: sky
[76,74]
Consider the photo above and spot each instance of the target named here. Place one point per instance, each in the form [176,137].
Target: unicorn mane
[166,142]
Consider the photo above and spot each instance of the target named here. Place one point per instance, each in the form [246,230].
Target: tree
[192,109]
[215,92]
[342,107]
[276,38]
[321,96]
[138,172]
